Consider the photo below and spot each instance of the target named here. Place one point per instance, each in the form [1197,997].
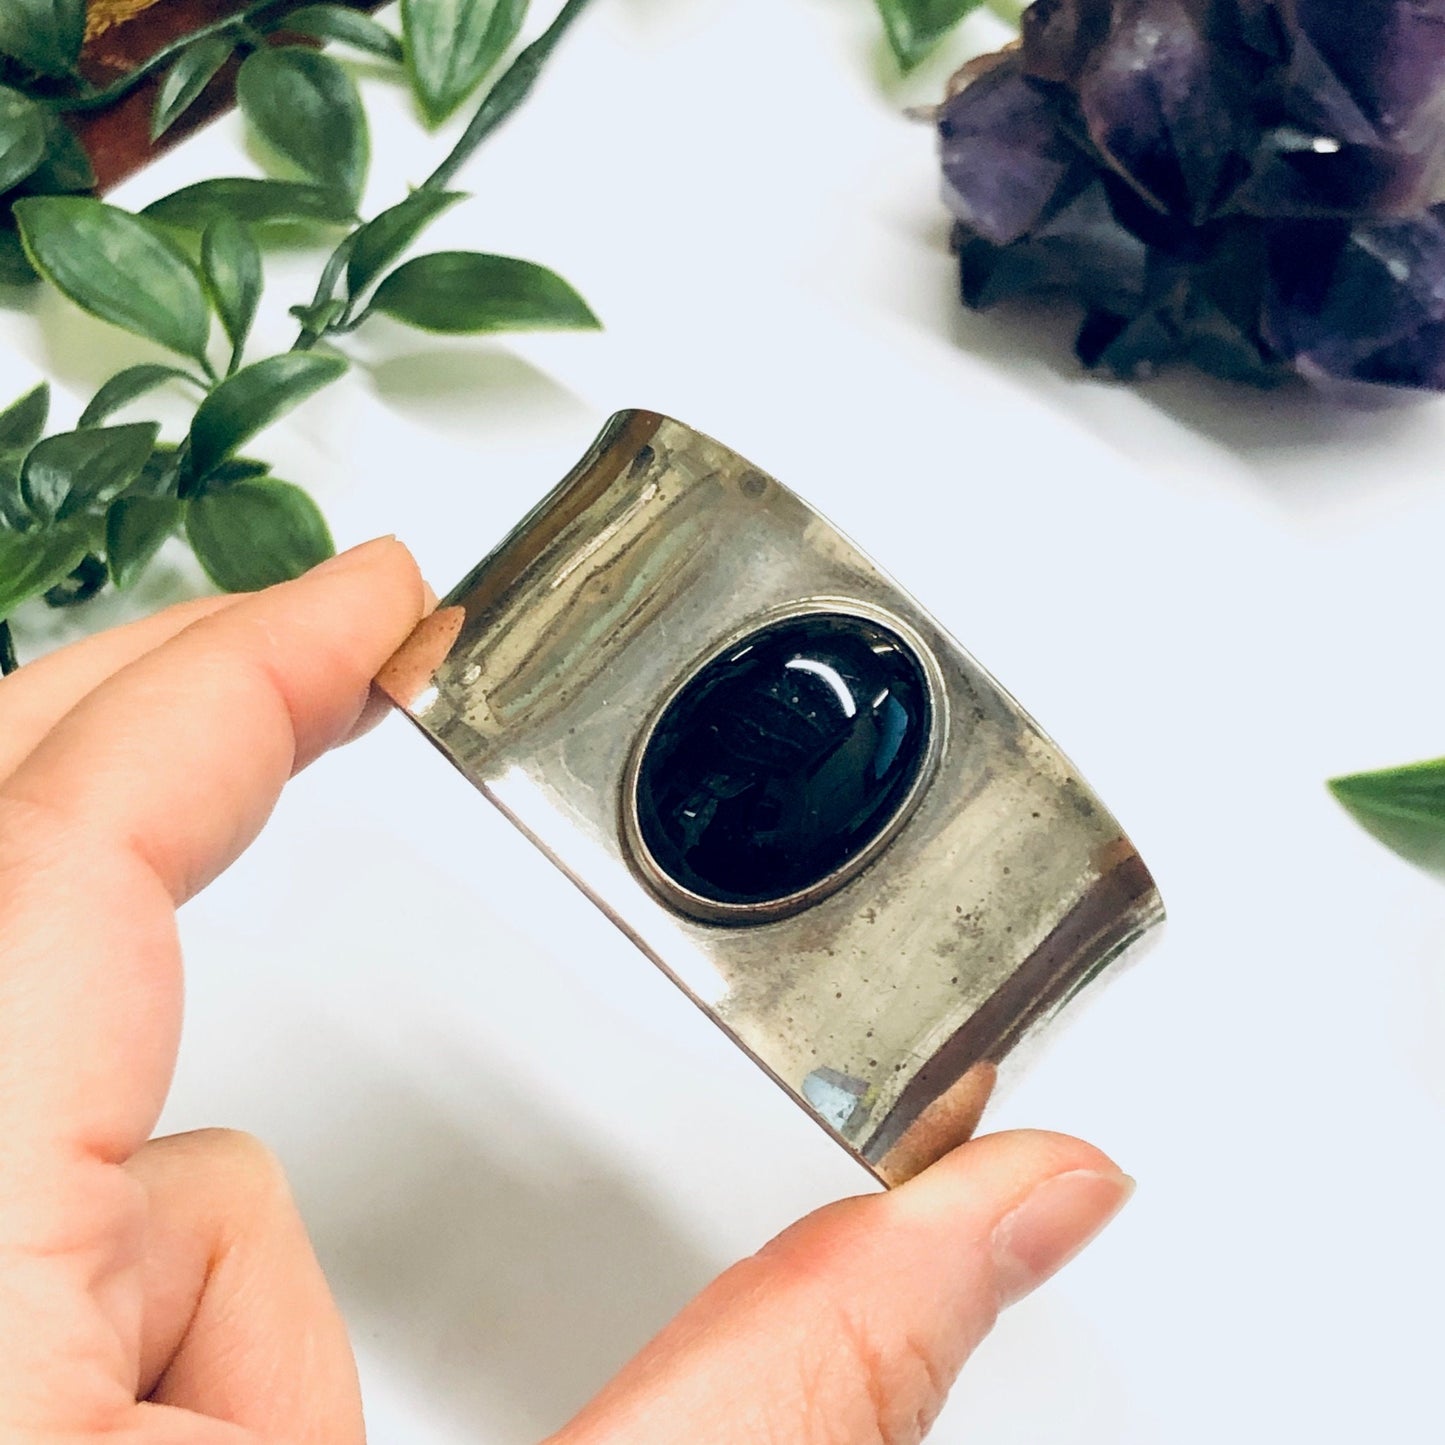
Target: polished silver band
[886,998]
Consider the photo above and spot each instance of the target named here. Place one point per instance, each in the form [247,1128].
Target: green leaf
[380,242]
[306,107]
[24,137]
[238,469]
[915,26]
[15,267]
[252,399]
[187,79]
[254,534]
[452,44]
[22,424]
[66,168]
[68,473]
[194,207]
[118,267]
[1403,807]
[231,264]
[126,386]
[336,22]
[33,562]
[135,528]
[461,292]
[46,35]
[14,514]
[160,475]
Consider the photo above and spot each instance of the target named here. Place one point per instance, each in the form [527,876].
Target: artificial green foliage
[464,292]
[384,240]
[93,506]
[306,107]
[45,35]
[346,27]
[66,475]
[1403,807]
[452,44]
[130,385]
[254,199]
[231,269]
[250,401]
[32,562]
[15,268]
[119,267]
[135,530]
[66,169]
[253,534]
[915,27]
[186,81]
[24,137]
[319,318]
[22,424]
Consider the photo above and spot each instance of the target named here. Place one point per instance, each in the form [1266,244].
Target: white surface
[518,1148]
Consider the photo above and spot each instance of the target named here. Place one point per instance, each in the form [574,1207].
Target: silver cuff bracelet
[783,781]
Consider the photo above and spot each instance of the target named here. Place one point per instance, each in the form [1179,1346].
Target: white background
[519,1150]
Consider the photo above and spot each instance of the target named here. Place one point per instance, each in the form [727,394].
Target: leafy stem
[506,95]
[500,102]
[94,505]
[237,25]
[325,291]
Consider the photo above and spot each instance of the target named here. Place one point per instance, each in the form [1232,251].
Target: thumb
[851,1326]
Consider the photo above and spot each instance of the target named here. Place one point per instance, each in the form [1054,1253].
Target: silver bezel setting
[737,915]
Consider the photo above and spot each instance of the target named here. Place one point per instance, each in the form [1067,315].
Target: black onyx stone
[783,759]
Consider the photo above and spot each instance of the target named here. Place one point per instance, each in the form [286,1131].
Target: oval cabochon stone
[784,758]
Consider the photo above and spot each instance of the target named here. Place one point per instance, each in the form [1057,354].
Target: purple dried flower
[1257,186]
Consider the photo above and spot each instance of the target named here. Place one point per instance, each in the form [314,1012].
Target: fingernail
[342,560]
[428,592]
[1052,1224]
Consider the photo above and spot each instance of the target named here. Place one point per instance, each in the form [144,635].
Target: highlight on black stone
[1253,186]
[783,759]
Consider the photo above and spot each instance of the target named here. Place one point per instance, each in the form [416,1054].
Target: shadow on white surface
[79,353]
[1308,455]
[460,388]
[510,1274]
[1299,446]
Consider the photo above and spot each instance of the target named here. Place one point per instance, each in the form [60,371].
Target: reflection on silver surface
[887,1004]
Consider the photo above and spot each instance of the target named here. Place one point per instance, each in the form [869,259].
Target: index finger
[140,795]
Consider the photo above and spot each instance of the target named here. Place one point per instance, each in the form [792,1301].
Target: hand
[164,1290]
